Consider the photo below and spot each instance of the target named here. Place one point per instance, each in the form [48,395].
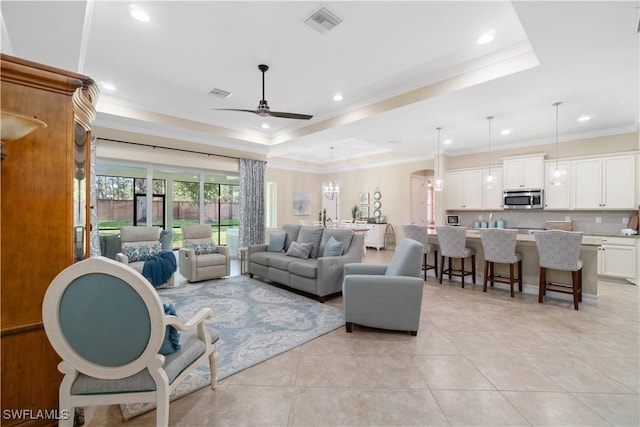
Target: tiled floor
[480,359]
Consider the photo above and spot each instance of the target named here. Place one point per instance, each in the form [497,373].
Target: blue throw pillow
[333,247]
[203,248]
[140,252]
[276,242]
[171,341]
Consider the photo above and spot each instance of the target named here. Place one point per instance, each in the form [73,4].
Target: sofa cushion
[276,242]
[344,236]
[211,260]
[140,252]
[333,248]
[300,250]
[292,231]
[311,235]
[280,261]
[261,258]
[203,248]
[305,268]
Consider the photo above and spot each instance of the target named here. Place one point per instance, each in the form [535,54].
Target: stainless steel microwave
[523,199]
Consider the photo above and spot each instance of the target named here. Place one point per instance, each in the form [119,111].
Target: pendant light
[438,183]
[332,189]
[558,176]
[490,180]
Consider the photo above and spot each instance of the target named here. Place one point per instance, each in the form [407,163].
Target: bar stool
[420,233]
[560,250]
[453,242]
[500,246]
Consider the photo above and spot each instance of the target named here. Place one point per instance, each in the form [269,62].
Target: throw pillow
[202,248]
[333,248]
[299,250]
[276,242]
[171,341]
[137,253]
[311,235]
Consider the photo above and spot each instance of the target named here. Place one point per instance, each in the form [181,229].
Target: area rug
[256,321]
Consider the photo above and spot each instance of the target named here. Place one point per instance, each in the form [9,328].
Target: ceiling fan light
[139,14]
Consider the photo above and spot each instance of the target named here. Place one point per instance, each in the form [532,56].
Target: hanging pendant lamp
[332,189]
[490,180]
[558,176]
[438,182]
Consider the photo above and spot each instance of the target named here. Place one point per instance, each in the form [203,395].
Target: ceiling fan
[263,108]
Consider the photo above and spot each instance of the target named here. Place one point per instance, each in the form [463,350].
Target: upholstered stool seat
[560,250]
[499,246]
[420,233]
[452,242]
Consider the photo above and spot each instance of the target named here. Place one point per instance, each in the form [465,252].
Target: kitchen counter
[526,245]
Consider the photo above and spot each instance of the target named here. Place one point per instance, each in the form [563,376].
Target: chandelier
[331,190]
[490,180]
[438,183]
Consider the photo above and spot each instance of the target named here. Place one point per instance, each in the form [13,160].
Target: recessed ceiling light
[265,125]
[337,97]
[447,141]
[486,37]
[505,131]
[584,118]
[139,14]
[107,86]
[394,142]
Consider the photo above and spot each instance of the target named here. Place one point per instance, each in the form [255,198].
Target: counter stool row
[557,249]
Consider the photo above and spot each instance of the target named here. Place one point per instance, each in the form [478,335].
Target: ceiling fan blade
[289,115]
[238,109]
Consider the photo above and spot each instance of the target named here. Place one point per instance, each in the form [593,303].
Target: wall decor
[301,203]
[364,212]
[364,198]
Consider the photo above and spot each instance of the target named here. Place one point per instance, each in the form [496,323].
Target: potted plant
[354,212]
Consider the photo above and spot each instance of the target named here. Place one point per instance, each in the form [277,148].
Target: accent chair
[199,258]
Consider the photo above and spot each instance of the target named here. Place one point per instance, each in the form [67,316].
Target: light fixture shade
[438,182]
[331,190]
[558,176]
[490,180]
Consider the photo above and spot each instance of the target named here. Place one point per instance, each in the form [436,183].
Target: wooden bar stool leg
[435,261]
[491,273]
[511,278]
[449,268]
[574,283]
[424,265]
[580,283]
[473,269]
[441,268]
[486,275]
[462,271]
[542,285]
[520,275]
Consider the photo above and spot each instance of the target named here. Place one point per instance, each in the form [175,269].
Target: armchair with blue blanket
[386,296]
[143,250]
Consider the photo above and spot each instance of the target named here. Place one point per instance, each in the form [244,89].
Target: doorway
[422,198]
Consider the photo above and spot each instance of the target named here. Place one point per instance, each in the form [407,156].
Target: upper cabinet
[463,189]
[605,183]
[523,172]
[557,196]
[493,196]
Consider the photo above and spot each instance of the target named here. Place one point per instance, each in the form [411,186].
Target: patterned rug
[256,321]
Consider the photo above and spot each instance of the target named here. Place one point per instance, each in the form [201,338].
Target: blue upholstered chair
[453,242]
[385,296]
[560,250]
[500,246]
[108,324]
[420,233]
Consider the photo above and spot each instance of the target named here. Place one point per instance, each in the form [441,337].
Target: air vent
[322,20]
[219,93]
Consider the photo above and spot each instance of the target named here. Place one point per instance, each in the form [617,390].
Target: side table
[244,261]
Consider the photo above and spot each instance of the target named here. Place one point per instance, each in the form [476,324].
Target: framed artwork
[364,199]
[364,212]
[301,203]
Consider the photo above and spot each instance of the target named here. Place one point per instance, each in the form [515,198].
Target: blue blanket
[159,268]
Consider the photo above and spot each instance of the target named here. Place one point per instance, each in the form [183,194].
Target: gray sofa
[318,275]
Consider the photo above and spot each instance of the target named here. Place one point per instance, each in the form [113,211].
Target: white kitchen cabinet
[463,189]
[493,197]
[605,183]
[557,196]
[523,172]
[617,257]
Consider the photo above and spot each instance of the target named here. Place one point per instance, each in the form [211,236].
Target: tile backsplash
[587,222]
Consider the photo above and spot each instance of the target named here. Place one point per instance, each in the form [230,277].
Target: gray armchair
[201,259]
[386,296]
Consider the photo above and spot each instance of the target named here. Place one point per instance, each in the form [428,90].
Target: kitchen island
[531,268]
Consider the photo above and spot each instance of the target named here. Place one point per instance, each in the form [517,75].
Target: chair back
[103,318]
[141,235]
[407,261]
[559,249]
[196,233]
[452,241]
[419,233]
[499,245]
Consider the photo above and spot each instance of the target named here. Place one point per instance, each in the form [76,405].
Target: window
[271,202]
[115,203]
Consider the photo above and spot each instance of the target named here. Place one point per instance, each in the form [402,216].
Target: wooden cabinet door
[618,182]
[532,173]
[512,174]
[453,185]
[587,184]
[472,186]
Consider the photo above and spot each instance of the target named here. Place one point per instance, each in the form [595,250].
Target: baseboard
[533,290]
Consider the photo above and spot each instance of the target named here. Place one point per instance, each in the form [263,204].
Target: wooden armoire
[43,224]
